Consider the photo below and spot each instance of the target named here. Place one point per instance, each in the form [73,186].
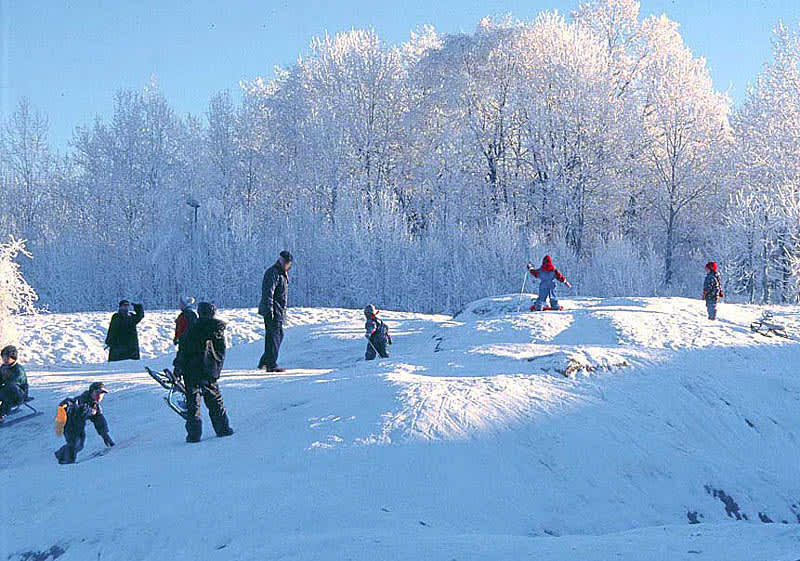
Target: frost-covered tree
[16,295]
[686,132]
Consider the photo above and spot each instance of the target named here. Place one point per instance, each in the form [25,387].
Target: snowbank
[597,432]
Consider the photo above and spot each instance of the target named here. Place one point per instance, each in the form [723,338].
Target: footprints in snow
[326,423]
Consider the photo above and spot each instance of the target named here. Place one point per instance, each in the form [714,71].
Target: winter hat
[712,266]
[186,302]
[97,387]
[124,303]
[206,310]
[286,256]
[10,351]
[370,310]
[547,263]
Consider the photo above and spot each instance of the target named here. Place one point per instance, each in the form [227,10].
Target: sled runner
[30,412]
[767,327]
[176,398]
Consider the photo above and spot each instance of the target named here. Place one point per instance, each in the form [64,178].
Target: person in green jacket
[13,381]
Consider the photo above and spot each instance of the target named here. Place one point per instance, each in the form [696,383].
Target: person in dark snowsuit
[122,339]
[13,381]
[79,410]
[185,320]
[201,359]
[547,275]
[377,334]
[272,307]
[712,289]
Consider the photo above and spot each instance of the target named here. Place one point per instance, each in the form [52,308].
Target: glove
[390,339]
[107,440]
[367,336]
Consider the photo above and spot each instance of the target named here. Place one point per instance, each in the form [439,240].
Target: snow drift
[606,431]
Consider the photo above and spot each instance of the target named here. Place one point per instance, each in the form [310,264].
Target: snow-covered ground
[596,433]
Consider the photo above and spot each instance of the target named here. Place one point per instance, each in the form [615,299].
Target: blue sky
[69,57]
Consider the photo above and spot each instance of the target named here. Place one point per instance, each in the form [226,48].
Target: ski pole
[521,292]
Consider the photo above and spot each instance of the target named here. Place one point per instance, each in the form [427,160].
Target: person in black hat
[13,381]
[201,359]
[122,339]
[78,410]
[274,294]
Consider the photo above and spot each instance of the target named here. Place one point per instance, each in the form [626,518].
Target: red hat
[547,263]
[712,266]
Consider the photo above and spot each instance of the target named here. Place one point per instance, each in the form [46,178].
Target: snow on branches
[16,295]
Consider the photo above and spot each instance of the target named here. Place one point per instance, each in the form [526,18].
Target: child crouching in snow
[712,289]
[547,275]
[73,413]
[377,334]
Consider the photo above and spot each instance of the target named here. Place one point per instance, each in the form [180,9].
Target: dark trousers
[272,344]
[376,346]
[711,306]
[11,395]
[208,390]
[75,441]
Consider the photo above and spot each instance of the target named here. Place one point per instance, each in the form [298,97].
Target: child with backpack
[377,334]
[712,289]
[201,359]
[73,413]
[547,275]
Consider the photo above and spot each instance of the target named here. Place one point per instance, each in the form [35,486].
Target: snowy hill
[599,432]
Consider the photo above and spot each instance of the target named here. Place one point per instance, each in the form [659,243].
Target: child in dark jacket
[13,381]
[377,334]
[201,359]
[547,275]
[712,289]
[77,411]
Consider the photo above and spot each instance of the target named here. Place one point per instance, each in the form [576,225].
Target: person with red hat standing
[547,275]
[712,289]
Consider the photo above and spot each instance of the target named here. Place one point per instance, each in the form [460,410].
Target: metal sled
[33,412]
[767,327]
[167,380]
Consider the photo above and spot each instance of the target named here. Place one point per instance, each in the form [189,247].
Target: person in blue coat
[547,275]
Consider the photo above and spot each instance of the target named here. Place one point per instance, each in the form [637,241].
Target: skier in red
[547,275]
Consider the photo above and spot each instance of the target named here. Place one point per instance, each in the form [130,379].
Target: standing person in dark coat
[712,289]
[75,412]
[122,339]
[201,359]
[377,334]
[274,294]
[13,381]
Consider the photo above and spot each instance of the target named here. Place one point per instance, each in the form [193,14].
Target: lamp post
[192,202]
